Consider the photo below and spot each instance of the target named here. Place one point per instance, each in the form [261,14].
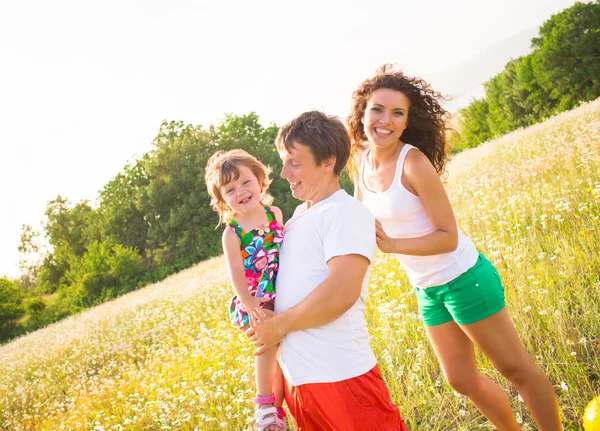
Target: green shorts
[469,298]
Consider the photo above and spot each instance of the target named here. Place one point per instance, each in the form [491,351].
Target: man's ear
[330,163]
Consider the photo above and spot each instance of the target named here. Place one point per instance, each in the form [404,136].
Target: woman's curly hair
[426,128]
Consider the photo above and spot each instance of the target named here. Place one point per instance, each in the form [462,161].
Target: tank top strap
[236,228]
[270,214]
[361,169]
[401,158]
[361,165]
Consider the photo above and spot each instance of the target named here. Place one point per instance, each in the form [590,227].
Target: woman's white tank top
[402,216]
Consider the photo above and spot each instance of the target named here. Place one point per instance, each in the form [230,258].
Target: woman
[398,139]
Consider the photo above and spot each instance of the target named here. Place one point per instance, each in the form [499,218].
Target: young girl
[237,183]
[398,137]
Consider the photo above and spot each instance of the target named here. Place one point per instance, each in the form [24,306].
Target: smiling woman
[398,132]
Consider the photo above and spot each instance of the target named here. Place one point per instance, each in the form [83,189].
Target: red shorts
[361,404]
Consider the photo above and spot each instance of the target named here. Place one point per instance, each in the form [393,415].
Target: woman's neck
[381,156]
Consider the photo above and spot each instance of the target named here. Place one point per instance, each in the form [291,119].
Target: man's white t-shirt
[340,350]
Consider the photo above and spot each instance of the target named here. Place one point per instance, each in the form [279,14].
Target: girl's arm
[235,266]
[278,215]
[426,183]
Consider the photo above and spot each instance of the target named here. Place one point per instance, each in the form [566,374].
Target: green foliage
[69,232]
[104,272]
[474,124]
[11,307]
[34,305]
[29,264]
[567,55]
[562,71]
[120,216]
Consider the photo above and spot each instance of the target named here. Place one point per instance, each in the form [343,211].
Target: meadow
[166,358]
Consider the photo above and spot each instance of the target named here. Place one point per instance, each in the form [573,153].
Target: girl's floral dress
[260,253]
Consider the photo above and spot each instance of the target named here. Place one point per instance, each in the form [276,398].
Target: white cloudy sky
[85,85]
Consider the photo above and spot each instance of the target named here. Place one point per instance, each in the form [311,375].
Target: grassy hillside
[166,357]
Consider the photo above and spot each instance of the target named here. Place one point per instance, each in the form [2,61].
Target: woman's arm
[425,181]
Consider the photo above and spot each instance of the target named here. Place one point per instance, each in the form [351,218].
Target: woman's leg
[498,340]
[456,354]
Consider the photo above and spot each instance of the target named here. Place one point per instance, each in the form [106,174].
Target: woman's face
[386,117]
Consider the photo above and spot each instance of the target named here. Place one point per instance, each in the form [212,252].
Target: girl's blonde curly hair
[224,167]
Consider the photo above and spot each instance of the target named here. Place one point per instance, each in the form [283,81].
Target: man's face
[307,179]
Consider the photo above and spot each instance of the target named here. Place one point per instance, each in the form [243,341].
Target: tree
[104,272]
[69,232]
[563,70]
[505,95]
[120,213]
[29,262]
[11,308]
[180,220]
[533,98]
[475,128]
[567,55]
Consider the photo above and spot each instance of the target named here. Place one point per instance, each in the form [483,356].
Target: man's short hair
[325,135]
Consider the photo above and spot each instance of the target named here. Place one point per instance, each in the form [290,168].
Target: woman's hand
[252,306]
[384,242]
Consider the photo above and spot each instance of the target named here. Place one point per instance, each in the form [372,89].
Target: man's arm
[330,299]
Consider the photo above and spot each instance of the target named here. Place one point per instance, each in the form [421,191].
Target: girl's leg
[266,367]
[456,354]
[498,340]
[278,386]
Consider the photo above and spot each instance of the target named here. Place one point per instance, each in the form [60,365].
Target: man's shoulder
[345,202]
[346,207]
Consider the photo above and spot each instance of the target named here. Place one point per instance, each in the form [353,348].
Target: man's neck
[328,189]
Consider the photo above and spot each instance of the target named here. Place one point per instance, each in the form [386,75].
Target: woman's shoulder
[416,161]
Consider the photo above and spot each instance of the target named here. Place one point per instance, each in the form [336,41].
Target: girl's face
[386,117]
[242,195]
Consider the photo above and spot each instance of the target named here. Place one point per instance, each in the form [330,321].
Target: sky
[84,86]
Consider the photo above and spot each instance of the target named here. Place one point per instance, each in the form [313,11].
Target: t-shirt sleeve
[352,231]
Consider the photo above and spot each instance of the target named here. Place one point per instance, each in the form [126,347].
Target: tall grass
[166,357]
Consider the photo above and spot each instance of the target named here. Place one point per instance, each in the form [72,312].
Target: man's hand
[384,242]
[266,333]
[252,306]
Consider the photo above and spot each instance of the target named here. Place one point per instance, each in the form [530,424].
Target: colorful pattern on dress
[260,254]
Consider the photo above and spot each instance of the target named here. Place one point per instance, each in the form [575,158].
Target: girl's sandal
[269,416]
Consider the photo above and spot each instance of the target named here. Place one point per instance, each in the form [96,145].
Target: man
[332,381]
